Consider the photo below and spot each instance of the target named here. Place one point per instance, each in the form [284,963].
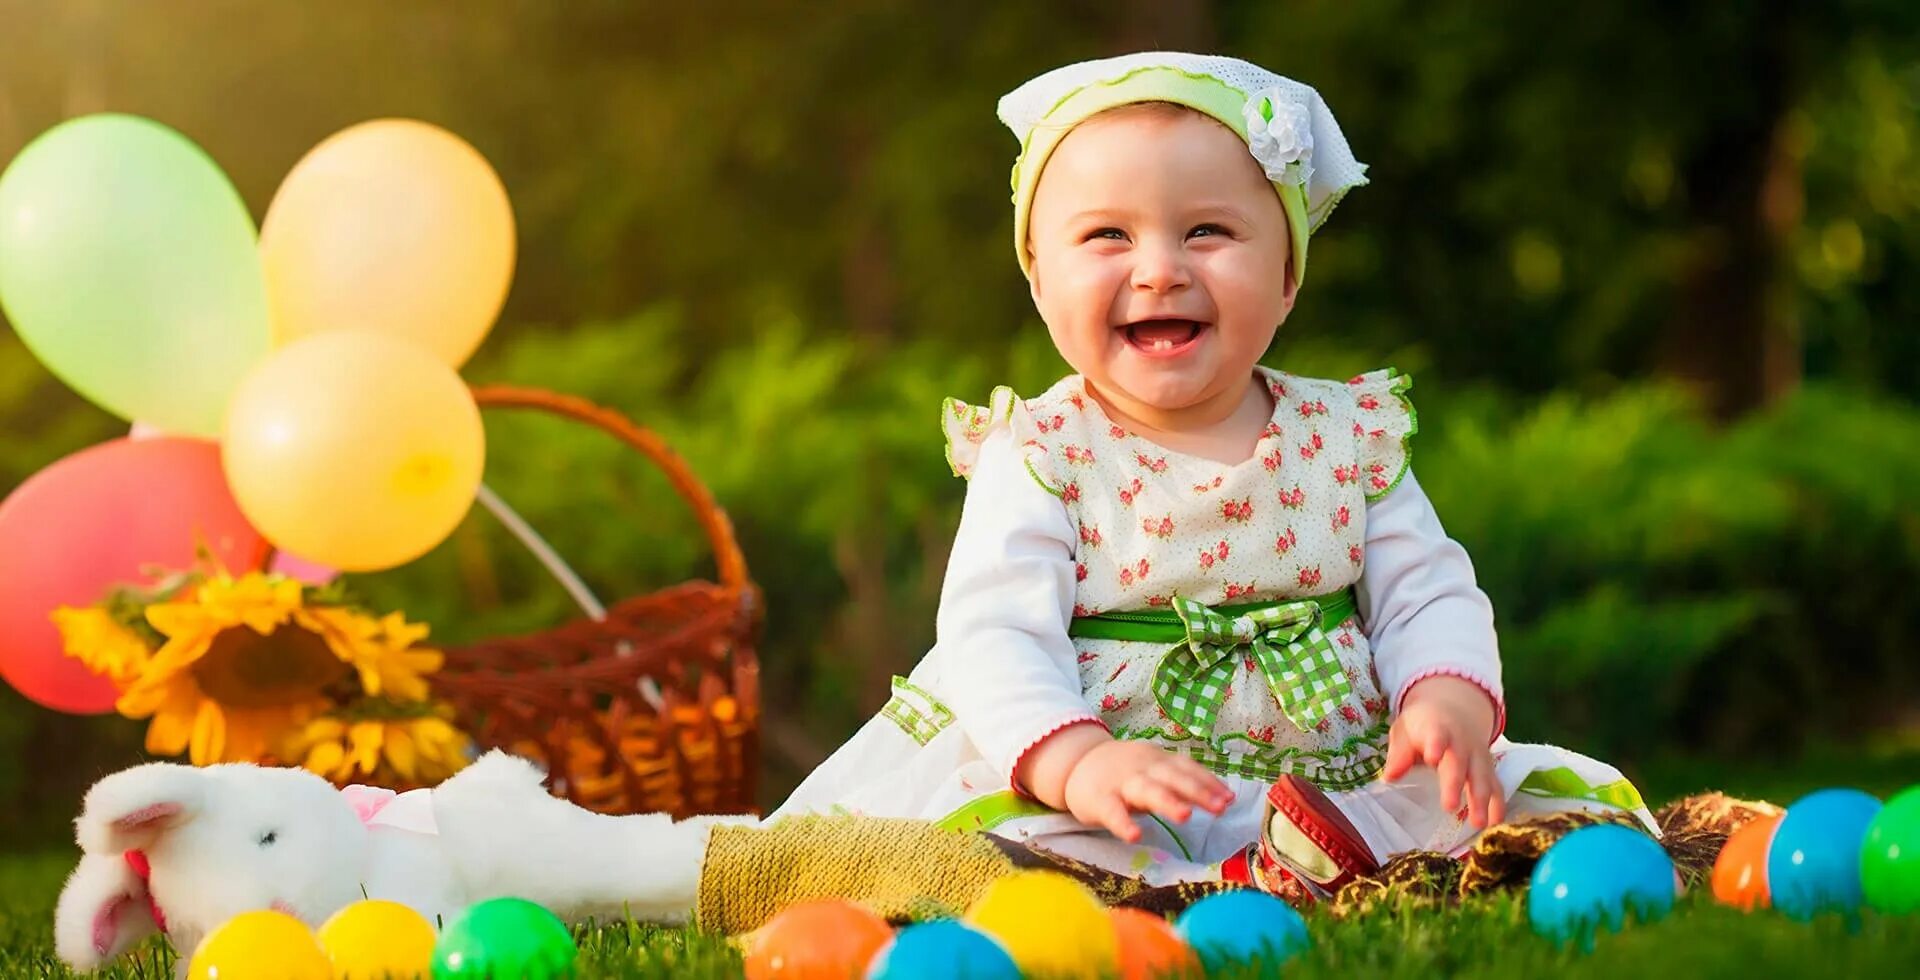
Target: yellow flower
[420,750]
[107,648]
[241,664]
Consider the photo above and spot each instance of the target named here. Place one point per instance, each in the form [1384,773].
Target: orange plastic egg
[825,940]
[1740,874]
[1149,947]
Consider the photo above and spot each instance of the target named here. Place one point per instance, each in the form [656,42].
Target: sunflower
[245,659]
[387,743]
[92,636]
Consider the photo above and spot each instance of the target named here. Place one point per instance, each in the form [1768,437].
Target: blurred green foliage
[1647,260]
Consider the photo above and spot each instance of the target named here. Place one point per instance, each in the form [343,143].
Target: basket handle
[732,565]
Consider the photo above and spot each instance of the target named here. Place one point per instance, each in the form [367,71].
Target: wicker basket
[653,709]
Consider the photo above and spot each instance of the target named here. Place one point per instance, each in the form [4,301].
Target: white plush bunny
[180,850]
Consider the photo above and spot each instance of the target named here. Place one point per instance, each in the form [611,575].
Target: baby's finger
[1193,783]
[1434,745]
[1110,811]
[1453,775]
[1478,797]
[1155,795]
[1401,753]
[1486,785]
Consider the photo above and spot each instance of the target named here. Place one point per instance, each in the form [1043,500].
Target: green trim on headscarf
[1202,93]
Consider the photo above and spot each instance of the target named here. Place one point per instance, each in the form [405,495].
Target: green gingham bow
[1299,662]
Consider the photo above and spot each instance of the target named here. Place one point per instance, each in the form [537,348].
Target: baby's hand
[1447,723]
[1117,779]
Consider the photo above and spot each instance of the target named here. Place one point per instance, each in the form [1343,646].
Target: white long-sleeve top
[1009,669]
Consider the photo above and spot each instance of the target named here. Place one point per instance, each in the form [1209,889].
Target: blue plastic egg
[1595,876]
[1242,927]
[1813,865]
[942,950]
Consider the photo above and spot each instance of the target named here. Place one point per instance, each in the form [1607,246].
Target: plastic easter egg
[1150,947]
[504,937]
[1594,877]
[1242,927]
[1740,873]
[1814,863]
[261,944]
[1054,926]
[373,939]
[942,950]
[1890,856]
[824,940]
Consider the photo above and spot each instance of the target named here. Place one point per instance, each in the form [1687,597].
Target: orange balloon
[394,226]
[1740,874]
[824,940]
[1149,947]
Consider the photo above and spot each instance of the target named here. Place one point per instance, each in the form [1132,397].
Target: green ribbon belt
[1286,639]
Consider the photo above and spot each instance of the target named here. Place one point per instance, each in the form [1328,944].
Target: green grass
[1488,938]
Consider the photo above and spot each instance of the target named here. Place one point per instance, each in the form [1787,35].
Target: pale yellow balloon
[396,226]
[354,449]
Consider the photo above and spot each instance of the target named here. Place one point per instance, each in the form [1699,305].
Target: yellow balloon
[1052,925]
[353,449]
[373,939]
[262,944]
[393,225]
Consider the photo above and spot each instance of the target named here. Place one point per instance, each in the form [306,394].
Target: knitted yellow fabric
[900,869]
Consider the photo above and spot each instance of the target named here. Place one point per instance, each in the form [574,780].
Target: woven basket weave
[653,709]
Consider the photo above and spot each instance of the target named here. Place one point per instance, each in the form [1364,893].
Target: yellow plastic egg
[261,944]
[373,939]
[1052,925]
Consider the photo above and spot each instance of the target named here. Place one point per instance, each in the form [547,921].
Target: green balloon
[130,267]
[1890,856]
[504,937]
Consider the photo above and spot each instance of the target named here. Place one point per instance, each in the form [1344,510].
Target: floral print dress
[1152,529]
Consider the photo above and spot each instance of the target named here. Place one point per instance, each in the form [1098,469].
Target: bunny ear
[131,808]
[102,912]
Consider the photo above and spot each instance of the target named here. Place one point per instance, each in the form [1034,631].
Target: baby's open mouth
[1163,338]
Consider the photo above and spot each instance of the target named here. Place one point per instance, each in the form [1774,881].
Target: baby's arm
[1435,651]
[1009,670]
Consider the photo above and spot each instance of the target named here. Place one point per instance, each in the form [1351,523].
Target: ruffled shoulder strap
[968,426]
[1384,423]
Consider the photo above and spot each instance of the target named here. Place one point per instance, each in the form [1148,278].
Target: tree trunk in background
[1736,338]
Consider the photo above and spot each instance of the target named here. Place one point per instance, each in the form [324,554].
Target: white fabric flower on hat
[1280,135]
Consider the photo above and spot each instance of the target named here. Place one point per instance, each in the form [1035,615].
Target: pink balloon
[94,519]
[294,566]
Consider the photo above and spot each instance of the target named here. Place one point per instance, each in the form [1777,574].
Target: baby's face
[1159,258]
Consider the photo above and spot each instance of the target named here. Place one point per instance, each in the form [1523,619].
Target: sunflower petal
[209,734]
[366,737]
[325,757]
[399,751]
[178,618]
[169,732]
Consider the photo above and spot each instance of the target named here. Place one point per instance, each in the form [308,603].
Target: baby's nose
[1160,268]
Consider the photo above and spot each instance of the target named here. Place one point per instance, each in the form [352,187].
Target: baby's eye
[1206,230]
[1110,234]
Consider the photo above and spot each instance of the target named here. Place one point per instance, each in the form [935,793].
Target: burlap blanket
[911,870]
